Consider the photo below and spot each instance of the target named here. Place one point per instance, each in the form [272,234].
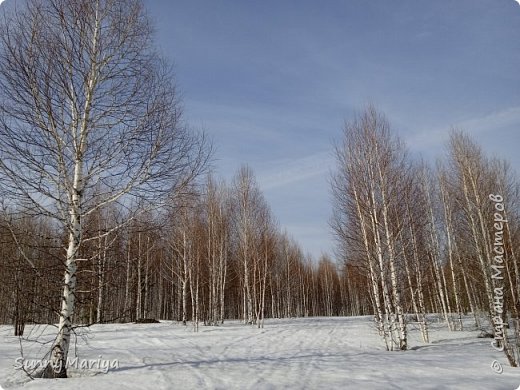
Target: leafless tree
[373,170]
[471,179]
[247,215]
[89,116]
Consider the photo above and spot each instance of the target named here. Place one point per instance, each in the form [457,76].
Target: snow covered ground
[310,353]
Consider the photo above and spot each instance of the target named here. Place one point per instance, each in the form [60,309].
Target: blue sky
[272,82]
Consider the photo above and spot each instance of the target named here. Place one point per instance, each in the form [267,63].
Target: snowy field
[311,353]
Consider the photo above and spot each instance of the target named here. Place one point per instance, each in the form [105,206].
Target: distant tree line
[216,253]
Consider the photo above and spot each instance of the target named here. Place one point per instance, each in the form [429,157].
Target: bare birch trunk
[60,350]
[186,274]
[126,306]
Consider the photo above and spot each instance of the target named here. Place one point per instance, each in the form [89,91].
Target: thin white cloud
[479,125]
[288,171]
[284,172]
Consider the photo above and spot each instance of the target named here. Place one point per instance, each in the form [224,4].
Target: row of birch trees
[423,238]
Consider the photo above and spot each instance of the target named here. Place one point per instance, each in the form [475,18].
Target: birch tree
[373,170]
[89,116]
[216,208]
[474,179]
[247,224]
